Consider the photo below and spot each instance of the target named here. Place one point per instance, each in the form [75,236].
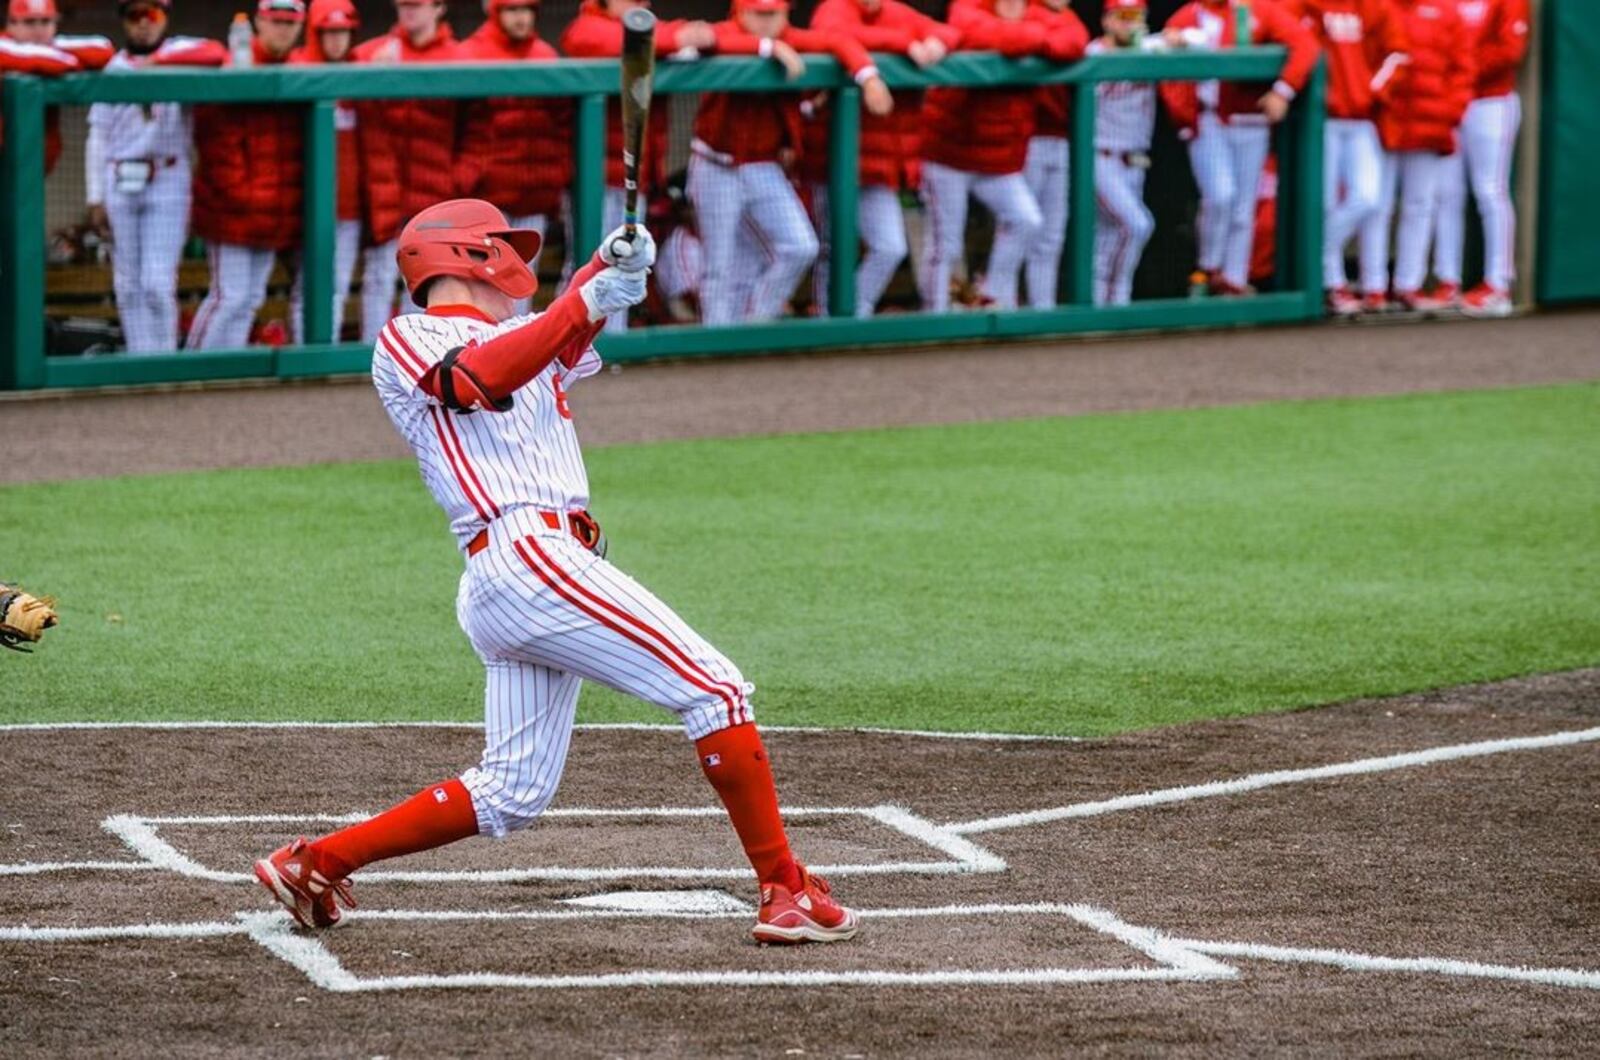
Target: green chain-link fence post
[316,261]
[22,235]
[844,154]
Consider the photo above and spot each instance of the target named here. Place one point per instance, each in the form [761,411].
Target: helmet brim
[525,241]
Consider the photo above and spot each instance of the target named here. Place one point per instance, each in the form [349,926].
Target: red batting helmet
[468,238]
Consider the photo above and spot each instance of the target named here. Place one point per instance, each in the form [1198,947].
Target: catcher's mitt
[23,617]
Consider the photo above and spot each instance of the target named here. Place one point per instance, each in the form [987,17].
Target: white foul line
[1257,781]
[31,868]
[469,726]
[1361,962]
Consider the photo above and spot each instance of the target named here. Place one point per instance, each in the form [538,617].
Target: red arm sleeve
[844,18]
[851,55]
[487,375]
[981,31]
[1505,38]
[1066,38]
[733,40]
[191,51]
[1280,27]
[92,53]
[40,59]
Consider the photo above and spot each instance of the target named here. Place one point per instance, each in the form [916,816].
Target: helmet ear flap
[506,271]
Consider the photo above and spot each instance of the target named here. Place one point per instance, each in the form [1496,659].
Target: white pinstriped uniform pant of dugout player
[544,613]
[733,203]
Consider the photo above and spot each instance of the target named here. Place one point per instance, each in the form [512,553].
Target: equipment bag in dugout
[23,617]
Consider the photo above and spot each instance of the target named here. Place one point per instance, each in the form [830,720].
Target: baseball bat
[638,84]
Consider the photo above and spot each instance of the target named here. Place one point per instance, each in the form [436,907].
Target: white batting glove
[635,256]
[613,291]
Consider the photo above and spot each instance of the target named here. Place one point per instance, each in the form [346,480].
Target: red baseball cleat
[1342,302]
[1374,302]
[807,915]
[1486,300]
[1445,295]
[1412,302]
[290,877]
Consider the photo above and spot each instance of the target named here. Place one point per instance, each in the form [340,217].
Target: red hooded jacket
[1052,115]
[1269,23]
[515,153]
[891,145]
[1498,32]
[248,184]
[597,34]
[756,126]
[1426,106]
[986,130]
[347,203]
[408,146]
[1365,43]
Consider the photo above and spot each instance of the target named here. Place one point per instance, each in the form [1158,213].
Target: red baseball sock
[438,814]
[736,764]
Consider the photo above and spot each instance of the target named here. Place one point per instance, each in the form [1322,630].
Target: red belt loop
[551,519]
[478,543]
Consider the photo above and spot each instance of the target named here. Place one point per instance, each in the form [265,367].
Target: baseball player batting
[480,395]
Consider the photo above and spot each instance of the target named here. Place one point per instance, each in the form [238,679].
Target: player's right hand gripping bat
[638,84]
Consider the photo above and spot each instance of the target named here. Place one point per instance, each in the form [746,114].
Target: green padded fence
[24,365]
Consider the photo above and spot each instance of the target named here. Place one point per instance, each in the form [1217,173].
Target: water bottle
[240,37]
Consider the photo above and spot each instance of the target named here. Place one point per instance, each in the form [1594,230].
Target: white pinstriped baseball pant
[544,613]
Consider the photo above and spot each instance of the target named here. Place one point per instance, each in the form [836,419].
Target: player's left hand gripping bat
[638,84]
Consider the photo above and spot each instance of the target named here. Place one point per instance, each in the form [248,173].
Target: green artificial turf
[1082,575]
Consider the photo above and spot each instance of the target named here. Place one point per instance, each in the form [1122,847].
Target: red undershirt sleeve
[487,374]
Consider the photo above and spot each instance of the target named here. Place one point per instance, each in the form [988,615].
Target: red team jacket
[347,201]
[1498,32]
[597,34]
[1365,42]
[890,146]
[250,175]
[1052,115]
[1428,102]
[1269,24]
[64,55]
[408,146]
[515,153]
[756,126]
[986,130]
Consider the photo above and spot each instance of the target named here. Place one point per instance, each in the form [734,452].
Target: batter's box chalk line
[306,952]
[142,835]
[1173,959]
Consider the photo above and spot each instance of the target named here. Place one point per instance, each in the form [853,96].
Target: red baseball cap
[282,10]
[333,14]
[1126,5]
[20,9]
[760,5]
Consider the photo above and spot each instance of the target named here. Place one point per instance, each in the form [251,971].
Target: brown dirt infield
[1488,859]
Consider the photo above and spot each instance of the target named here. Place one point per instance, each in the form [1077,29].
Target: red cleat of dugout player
[480,395]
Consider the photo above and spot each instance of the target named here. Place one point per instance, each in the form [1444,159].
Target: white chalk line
[1257,781]
[1361,962]
[34,868]
[1180,958]
[141,835]
[467,726]
[306,953]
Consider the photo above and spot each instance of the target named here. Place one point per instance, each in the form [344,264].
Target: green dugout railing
[23,360]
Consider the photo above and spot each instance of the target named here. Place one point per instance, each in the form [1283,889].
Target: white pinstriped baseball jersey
[1125,111]
[543,612]
[483,465]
